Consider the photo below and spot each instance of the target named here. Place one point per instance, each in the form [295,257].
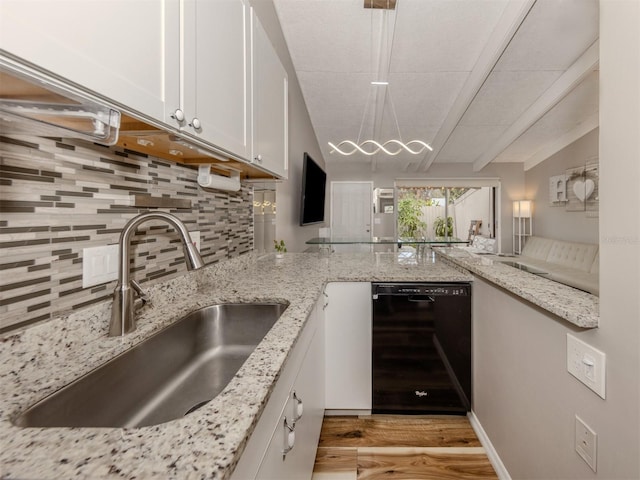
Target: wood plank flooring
[397,447]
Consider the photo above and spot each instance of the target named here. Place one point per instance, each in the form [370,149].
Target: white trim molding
[494,458]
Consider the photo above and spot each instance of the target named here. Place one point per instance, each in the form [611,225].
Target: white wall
[555,221]
[474,205]
[524,397]
[301,139]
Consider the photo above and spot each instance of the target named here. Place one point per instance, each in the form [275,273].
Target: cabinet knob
[195,123]
[258,159]
[178,115]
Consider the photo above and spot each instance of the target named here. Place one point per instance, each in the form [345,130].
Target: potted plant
[410,216]
[280,247]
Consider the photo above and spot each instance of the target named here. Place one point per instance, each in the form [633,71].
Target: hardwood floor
[396,447]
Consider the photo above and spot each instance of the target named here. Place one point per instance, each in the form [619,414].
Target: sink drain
[196,407]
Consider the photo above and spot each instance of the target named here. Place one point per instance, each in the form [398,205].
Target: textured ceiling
[480,80]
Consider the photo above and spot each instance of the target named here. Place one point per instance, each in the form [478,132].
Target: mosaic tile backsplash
[60,196]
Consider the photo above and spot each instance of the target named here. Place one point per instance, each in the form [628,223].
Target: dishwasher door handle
[421,298]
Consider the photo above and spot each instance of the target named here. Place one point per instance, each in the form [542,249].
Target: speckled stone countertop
[575,306]
[208,442]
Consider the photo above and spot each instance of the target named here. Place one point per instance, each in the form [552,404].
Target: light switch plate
[587,364]
[99,265]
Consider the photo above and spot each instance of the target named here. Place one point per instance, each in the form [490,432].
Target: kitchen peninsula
[209,442]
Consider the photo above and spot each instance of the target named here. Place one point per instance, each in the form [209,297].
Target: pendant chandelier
[379,98]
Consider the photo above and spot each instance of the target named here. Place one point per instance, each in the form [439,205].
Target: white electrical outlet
[587,364]
[99,265]
[586,443]
[195,238]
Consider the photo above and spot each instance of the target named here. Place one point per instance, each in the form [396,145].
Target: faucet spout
[123,311]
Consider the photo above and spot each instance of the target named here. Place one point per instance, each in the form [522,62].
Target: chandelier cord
[386,43]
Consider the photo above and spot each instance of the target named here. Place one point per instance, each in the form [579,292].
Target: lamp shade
[522,208]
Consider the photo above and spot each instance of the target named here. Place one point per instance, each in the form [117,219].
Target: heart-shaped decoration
[584,189]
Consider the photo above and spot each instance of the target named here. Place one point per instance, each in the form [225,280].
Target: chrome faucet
[123,311]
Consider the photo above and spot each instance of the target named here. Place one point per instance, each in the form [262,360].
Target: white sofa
[571,263]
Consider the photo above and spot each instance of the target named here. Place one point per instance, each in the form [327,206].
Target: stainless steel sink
[165,377]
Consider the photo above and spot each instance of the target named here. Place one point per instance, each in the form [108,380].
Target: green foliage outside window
[410,224]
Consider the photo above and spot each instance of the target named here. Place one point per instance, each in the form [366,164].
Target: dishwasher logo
[421,393]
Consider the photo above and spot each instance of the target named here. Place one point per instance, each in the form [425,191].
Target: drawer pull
[298,408]
[289,437]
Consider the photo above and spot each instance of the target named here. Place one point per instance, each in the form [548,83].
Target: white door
[351,210]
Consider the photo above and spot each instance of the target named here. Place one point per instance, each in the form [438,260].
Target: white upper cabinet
[270,104]
[116,48]
[204,67]
[215,66]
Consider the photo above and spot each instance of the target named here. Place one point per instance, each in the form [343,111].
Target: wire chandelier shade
[380,147]
[381,97]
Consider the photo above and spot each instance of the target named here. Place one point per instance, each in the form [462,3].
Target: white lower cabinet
[298,399]
[348,346]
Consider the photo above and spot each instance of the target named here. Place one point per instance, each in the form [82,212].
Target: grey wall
[555,221]
[524,398]
[511,177]
[302,139]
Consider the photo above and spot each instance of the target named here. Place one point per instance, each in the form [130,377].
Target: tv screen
[314,181]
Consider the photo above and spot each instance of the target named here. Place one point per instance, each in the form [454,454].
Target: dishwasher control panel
[435,289]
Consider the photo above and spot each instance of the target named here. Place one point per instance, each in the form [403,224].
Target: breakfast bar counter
[573,305]
[208,442]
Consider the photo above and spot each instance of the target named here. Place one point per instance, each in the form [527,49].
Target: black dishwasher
[421,348]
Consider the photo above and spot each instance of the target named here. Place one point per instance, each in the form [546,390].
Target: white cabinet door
[304,374]
[118,49]
[348,346]
[309,389]
[270,108]
[298,435]
[215,89]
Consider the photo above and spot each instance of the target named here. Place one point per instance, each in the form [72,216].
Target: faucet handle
[141,295]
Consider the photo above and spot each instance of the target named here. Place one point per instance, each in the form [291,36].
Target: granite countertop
[208,442]
[575,306]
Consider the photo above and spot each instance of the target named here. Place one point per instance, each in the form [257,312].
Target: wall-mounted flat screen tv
[314,183]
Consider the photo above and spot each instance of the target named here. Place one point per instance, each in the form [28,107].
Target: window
[446,207]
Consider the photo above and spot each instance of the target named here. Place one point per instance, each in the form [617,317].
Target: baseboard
[494,458]
[350,412]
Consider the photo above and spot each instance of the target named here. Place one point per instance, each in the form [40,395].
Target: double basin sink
[165,377]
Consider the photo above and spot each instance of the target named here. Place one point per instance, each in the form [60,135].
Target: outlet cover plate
[586,443]
[587,364]
[99,265]
[195,238]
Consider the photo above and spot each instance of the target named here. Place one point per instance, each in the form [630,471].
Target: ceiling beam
[514,14]
[576,73]
[590,124]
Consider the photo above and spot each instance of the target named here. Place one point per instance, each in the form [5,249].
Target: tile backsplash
[60,196]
